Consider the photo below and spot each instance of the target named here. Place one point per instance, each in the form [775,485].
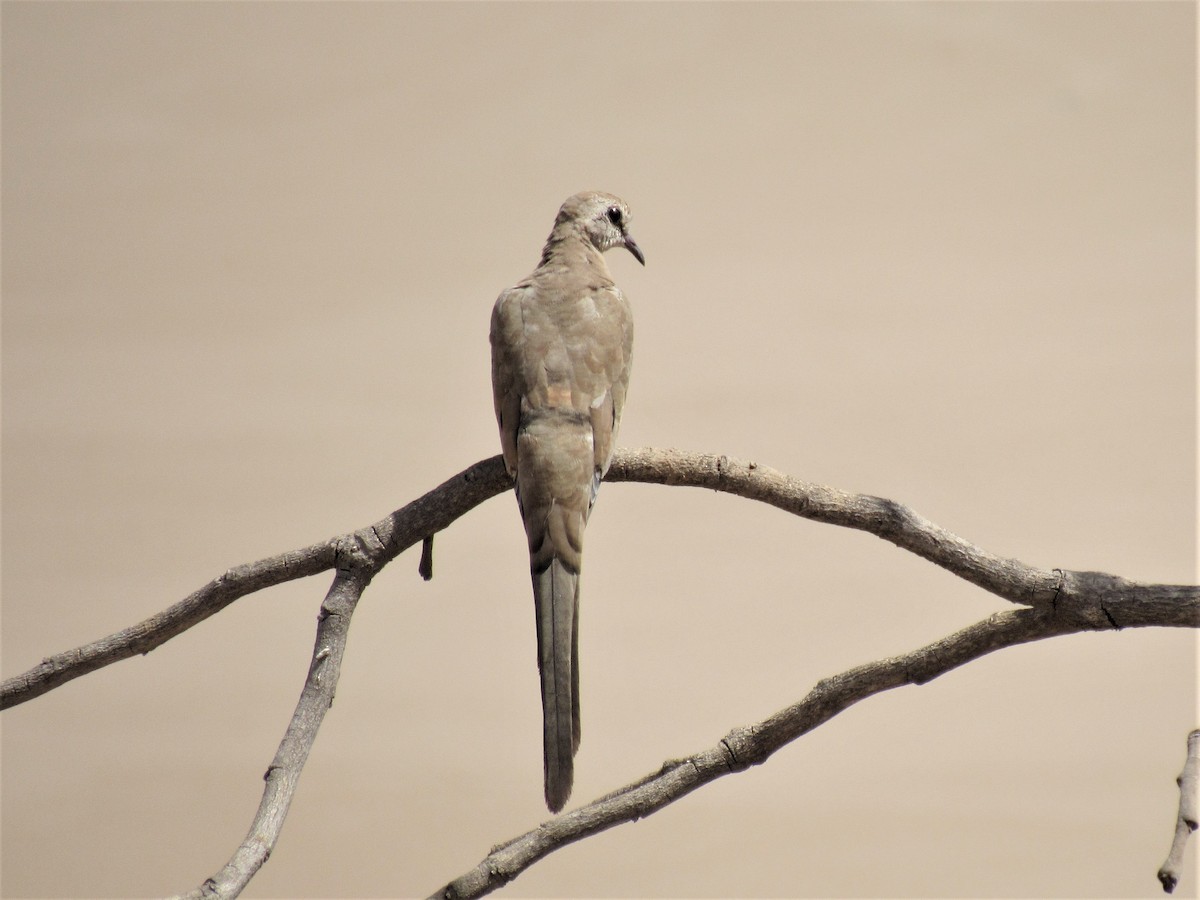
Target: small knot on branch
[722,464]
[743,750]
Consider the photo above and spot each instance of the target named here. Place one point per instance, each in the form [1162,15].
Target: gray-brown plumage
[562,341]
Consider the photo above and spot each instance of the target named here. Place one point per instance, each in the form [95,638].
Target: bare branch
[1008,578]
[1059,601]
[379,543]
[284,772]
[1187,820]
[754,744]
[383,541]
[161,627]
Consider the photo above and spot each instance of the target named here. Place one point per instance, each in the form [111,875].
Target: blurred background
[943,253]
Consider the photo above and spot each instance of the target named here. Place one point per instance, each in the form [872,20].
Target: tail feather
[555,489]
[556,597]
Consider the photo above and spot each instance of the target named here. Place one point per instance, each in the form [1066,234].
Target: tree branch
[892,521]
[387,538]
[1186,821]
[283,774]
[754,744]
[1059,602]
[161,627]
[378,544]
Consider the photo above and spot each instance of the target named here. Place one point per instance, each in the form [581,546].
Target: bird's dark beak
[632,247]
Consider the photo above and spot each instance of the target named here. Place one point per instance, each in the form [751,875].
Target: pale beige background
[942,253]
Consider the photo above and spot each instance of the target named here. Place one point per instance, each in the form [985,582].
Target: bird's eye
[614,215]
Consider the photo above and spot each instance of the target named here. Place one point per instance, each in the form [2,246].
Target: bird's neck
[568,247]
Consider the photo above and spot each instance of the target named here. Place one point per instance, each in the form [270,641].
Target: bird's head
[603,219]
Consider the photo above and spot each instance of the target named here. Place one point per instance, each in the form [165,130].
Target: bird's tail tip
[556,594]
[558,791]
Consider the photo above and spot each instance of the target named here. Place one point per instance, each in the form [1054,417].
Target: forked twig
[1053,602]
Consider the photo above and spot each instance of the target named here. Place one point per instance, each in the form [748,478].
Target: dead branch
[283,774]
[1054,602]
[1187,820]
[387,538]
[376,545]
[752,745]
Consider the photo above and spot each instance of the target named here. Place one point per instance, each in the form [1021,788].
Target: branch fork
[1046,604]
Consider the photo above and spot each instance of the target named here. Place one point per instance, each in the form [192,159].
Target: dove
[562,343]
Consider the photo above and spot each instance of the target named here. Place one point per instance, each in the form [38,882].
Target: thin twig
[1186,821]
[754,744]
[1008,578]
[284,772]
[380,542]
[1059,601]
[146,635]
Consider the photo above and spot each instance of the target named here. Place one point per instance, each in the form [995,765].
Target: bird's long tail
[556,599]
[556,484]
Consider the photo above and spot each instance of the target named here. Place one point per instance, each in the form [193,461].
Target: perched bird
[562,341]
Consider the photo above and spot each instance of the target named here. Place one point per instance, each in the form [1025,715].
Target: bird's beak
[632,247]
